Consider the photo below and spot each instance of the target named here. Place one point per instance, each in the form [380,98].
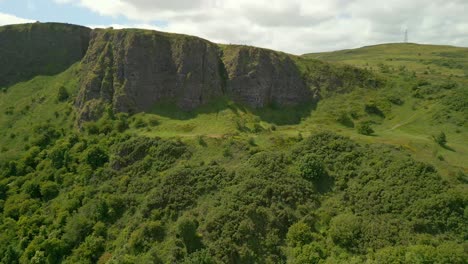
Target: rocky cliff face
[133,70]
[28,50]
[259,77]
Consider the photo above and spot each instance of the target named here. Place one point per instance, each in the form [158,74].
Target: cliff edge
[133,70]
[28,50]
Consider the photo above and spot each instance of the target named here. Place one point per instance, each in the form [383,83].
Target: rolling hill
[138,146]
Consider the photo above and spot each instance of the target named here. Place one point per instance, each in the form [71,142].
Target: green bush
[96,157]
[201,141]
[345,120]
[139,123]
[62,94]
[49,190]
[311,168]
[440,139]
[299,234]
[364,128]
[310,253]
[187,231]
[345,230]
[373,109]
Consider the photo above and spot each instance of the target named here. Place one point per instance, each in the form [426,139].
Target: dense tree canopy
[131,199]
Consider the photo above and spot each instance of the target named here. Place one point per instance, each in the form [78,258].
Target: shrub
[372,109]
[199,257]
[187,231]
[121,124]
[153,121]
[345,230]
[33,189]
[440,139]
[58,155]
[45,135]
[140,123]
[96,157]
[311,168]
[396,100]
[62,94]
[49,190]
[345,120]
[299,234]
[257,128]
[91,128]
[310,253]
[364,129]
[145,235]
[227,152]
[252,141]
[201,141]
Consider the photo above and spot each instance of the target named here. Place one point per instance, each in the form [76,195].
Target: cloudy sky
[294,26]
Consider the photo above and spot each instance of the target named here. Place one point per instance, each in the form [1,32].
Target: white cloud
[298,26]
[6,19]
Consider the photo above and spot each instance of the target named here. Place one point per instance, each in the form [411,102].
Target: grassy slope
[27,50]
[438,60]
[410,125]
[213,129]
[34,102]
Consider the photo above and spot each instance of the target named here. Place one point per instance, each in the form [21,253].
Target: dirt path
[403,123]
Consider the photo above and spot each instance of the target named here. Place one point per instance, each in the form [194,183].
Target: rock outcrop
[134,70]
[28,50]
[259,77]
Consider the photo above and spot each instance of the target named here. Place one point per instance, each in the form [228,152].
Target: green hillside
[426,94]
[372,169]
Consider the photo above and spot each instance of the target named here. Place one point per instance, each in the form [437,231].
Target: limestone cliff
[28,50]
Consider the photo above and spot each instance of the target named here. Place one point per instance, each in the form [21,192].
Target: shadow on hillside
[325,184]
[272,114]
[290,115]
[449,148]
[172,111]
[47,49]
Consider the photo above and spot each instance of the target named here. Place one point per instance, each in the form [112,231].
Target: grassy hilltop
[372,169]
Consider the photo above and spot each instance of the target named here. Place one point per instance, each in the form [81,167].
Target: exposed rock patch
[135,69]
[259,77]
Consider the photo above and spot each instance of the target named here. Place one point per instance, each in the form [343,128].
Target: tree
[299,234]
[199,257]
[49,190]
[311,168]
[310,253]
[187,231]
[96,157]
[345,230]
